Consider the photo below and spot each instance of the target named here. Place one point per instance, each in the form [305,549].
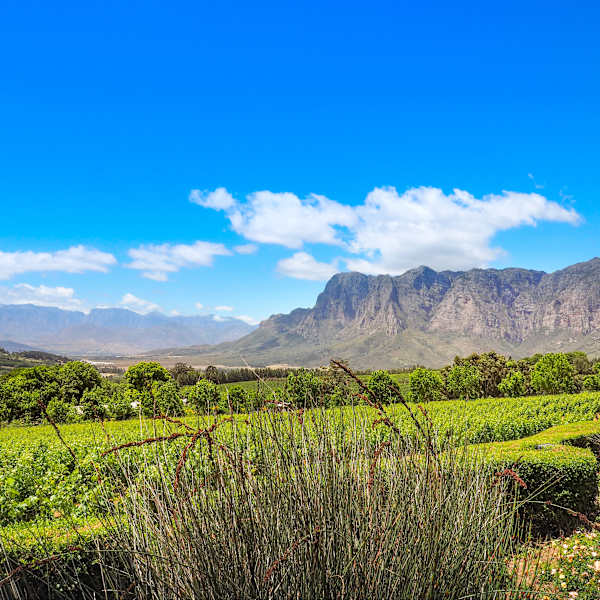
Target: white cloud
[285,219]
[246,248]
[396,232]
[199,305]
[220,199]
[218,318]
[224,308]
[157,261]
[302,265]
[138,305]
[76,259]
[247,319]
[390,232]
[58,297]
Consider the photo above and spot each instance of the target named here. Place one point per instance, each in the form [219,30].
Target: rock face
[424,316]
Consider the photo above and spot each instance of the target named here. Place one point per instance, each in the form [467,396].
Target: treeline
[185,374]
[492,375]
[76,391]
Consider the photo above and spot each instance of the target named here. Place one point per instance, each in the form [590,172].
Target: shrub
[426,385]
[204,397]
[552,374]
[513,385]
[463,381]
[560,469]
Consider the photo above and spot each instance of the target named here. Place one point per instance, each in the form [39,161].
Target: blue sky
[336,134]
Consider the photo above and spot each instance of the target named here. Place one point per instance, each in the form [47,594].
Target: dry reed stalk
[152,440]
[373,464]
[286,555]
[55,426]
[512,474]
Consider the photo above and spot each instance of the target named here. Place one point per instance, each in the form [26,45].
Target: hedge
[560,468]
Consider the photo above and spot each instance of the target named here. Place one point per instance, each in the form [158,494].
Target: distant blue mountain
[110,330]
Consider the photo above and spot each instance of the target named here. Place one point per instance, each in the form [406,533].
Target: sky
[227,158]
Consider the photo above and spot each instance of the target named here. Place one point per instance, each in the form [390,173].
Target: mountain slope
[427,317]
[111,330]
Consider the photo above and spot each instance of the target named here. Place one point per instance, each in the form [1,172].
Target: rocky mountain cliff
[427,317]
[110,330]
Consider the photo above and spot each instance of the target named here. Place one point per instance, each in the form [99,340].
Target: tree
[463,381]
[145,374]
[25,391]
[184,374]
[77,377]
[204,396]
[163,400]
[592,382]
[303,387]
[426,385]
[212,374]
[513,385]
[492,367]
[381,385]
[234,400]
[553,374]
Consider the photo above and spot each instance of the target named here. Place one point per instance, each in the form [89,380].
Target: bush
[553,374]
[560,469]
[464,382]
[204,397]
[513,385]
[426,385]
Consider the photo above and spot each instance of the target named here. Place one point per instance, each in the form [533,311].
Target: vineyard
[40,479]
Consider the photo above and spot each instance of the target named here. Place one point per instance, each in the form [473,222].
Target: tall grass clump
[294,507]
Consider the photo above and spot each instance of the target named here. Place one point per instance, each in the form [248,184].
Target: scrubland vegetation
[322,484]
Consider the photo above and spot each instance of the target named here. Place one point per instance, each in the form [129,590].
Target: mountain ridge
[109,331]
[425,316]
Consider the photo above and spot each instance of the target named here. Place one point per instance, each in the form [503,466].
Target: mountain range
[427,317]
[109,331]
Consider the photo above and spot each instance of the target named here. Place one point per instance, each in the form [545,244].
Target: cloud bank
[389,232]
